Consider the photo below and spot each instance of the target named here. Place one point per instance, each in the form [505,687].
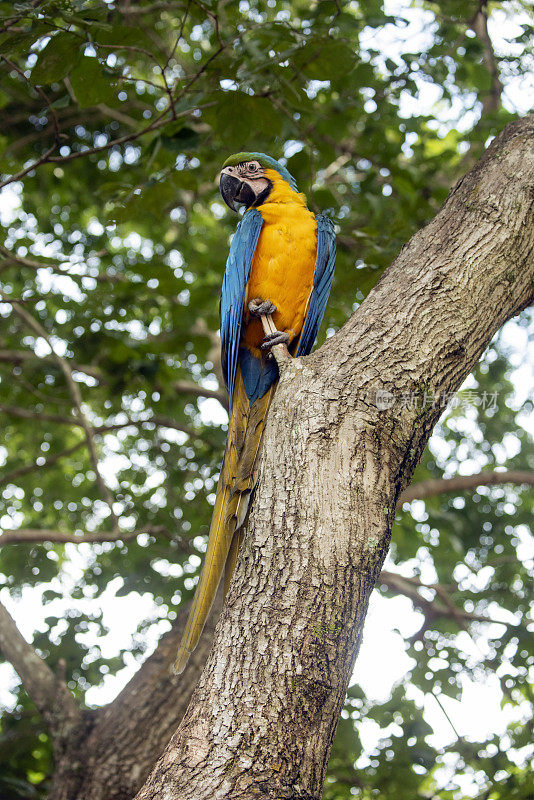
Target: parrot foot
[274,338]
[260,308]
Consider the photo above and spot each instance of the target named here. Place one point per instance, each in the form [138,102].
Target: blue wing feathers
[233,291]
[259,375]
[322,281]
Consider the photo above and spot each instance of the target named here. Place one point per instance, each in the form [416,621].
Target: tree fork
[109,752]
[335,460]
[119,743]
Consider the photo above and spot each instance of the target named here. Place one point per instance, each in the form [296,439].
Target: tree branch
[119,116]
[76,396]
[180,387]
[9,256]
[128,735]
[47,462]
[47,157]
[21,356]
[42,95]
[333,465]
[41,535]
[163,5]
[24,413]
[49,694]
[200,328]
[158,422]
[161,120]
[186,387]
[433,609]
[463,483]
[10,21]
[479,25]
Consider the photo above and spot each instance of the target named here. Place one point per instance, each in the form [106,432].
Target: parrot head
[247,178]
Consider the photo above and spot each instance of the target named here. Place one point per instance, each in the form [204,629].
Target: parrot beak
[233,190]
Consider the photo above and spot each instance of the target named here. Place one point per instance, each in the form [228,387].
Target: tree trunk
[345,432]
[113,749]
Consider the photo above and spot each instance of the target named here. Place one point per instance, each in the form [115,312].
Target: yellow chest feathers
[283,266]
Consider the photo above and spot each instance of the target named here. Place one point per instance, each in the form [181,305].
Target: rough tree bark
[340,446]
[106,754]
[114,748]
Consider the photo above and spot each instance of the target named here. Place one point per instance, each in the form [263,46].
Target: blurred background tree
[116,117]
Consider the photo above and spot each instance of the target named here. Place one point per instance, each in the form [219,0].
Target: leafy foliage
[116,119]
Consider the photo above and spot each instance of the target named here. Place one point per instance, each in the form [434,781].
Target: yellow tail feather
[231,504]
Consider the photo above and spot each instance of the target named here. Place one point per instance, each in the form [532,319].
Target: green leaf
[236,112]
[325,60]
[90,85]
[16,43]
[182,141]
[56,60]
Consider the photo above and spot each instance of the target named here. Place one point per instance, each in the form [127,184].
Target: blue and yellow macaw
[281,263]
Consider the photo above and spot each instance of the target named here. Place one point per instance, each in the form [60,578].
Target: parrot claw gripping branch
[264,309]
[275,289]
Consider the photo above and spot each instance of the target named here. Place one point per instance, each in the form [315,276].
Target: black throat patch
[262,197]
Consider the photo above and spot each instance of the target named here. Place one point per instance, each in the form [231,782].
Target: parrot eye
[252,167]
